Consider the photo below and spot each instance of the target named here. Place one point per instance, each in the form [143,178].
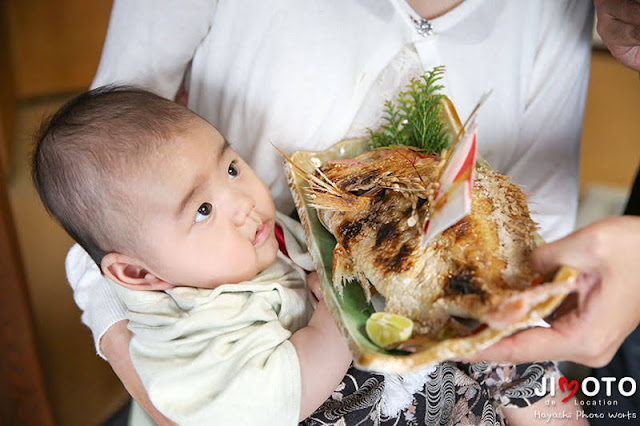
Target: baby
[214,284]
[161,201]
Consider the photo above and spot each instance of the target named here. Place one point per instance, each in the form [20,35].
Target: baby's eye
[204,211]
[232,171]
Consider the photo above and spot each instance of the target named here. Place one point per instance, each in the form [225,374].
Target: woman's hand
[115,346]
[591,331]
[619,27]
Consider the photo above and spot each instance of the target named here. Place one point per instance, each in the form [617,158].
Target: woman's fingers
[625,11]
[619,27]
[574,337]
[572,250]
[534,344]
[591,331]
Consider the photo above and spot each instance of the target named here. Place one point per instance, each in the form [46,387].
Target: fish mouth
[262,233]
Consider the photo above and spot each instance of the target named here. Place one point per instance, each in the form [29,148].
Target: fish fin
[343,271]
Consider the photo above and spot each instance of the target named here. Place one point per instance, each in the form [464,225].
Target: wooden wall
[56,44]
[611,131]
[7,92]
[47,47]
[24,399]
[49,372]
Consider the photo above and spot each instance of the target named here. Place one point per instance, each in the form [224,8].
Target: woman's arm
[115,346]
[104,314]
[93,293]
[150,43]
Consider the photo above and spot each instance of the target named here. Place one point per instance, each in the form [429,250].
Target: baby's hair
[88,151]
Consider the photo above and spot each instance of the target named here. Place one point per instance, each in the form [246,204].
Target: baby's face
[208,217]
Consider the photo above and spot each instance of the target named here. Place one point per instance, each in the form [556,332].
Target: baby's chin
[268,253]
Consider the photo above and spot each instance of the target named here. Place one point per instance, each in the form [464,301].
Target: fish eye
[204,211]
[232,171]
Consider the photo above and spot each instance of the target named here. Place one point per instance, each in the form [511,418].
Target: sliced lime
[386,329]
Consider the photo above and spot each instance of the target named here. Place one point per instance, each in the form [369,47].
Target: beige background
[53,47]
[611,131]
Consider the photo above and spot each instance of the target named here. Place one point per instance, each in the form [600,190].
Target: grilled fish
[474,274]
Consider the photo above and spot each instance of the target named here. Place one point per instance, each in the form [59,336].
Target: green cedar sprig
[414,119]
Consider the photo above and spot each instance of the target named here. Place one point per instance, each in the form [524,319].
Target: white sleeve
[101,307]
[150,43]
[552,123]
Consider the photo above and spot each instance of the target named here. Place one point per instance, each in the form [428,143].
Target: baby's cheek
[269,252]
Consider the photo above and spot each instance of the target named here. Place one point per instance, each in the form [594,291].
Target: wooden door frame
[7,91]
[23,397]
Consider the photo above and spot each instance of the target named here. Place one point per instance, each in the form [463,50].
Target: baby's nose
[241,208]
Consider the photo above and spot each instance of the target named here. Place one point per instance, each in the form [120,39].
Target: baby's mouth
[262,233]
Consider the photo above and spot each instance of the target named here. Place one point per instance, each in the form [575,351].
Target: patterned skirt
[455,394]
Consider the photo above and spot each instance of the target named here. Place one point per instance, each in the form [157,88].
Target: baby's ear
[131,273]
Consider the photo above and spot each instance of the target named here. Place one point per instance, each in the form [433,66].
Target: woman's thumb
[567,251]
